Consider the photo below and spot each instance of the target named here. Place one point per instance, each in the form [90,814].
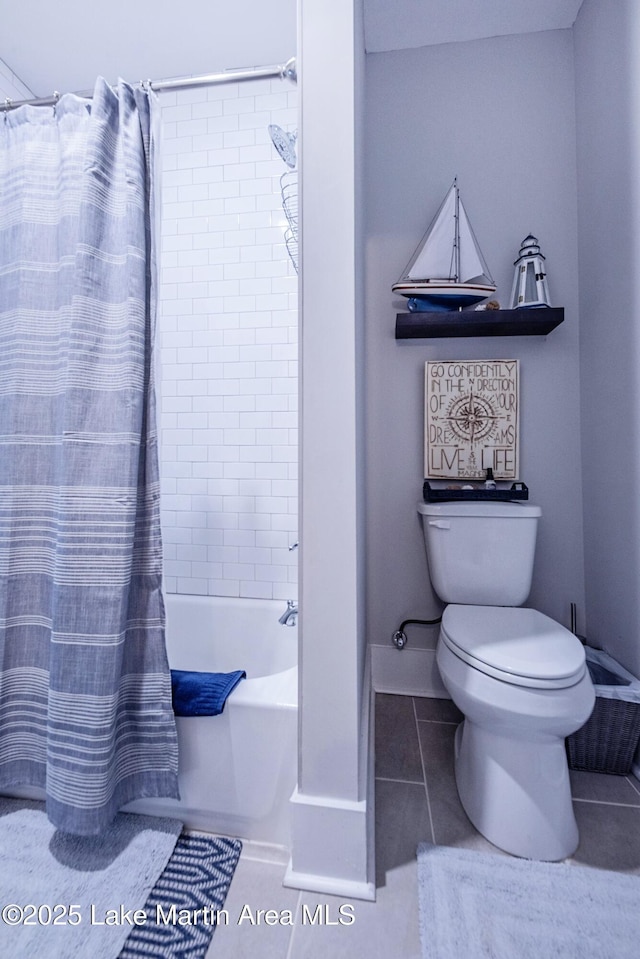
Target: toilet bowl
[521,682]
[519,678]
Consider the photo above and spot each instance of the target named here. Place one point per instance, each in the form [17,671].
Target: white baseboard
[330,846]
[408,672]
[329,885]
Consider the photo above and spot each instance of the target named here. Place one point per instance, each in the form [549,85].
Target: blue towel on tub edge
[202,694]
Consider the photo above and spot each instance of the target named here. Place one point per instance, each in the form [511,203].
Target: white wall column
[329,809]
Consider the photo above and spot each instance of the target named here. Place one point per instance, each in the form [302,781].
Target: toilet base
[516,791]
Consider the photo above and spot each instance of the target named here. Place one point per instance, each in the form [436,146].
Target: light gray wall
[11,87]
[607,48]
[499,115]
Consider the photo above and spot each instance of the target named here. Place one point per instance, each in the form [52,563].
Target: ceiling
[65,45]
[401,24]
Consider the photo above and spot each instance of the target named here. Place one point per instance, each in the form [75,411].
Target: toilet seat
[516,645]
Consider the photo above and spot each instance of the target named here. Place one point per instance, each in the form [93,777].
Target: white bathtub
[237,770]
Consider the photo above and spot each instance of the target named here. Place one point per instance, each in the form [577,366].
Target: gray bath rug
[63,896]
[480,906]
[186,903]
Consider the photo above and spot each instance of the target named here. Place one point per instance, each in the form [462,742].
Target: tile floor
[416,800]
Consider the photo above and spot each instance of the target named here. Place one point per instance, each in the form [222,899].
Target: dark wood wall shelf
[527,322]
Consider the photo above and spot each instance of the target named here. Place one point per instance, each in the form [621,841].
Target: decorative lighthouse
[530,279]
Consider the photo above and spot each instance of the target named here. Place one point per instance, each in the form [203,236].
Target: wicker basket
[608,740]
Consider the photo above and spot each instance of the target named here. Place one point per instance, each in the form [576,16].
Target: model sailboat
[448,270]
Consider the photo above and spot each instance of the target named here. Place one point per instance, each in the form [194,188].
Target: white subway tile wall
[228,323]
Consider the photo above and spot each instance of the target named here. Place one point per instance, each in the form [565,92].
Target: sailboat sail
[435,254]
[472,262]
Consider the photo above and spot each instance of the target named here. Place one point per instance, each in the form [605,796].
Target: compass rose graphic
[472,418]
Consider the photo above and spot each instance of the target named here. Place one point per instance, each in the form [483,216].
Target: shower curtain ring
[6,106]
[56,97]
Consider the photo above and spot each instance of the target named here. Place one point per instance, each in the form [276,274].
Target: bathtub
[237,770]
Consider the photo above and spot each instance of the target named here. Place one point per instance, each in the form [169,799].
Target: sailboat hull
[445,296]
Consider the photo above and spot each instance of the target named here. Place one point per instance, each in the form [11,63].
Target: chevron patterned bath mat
[183,906]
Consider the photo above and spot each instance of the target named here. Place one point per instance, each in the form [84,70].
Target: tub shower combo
[235,771]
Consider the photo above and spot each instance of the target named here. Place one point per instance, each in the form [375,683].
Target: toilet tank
[480,553]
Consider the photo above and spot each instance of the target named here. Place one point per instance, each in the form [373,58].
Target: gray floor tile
[256,885]
[385,929]
[609,837]
[402,821]
[607,809]
[437,710]
[397,748]
[599,787]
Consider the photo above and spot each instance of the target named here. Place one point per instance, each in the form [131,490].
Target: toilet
[519,678]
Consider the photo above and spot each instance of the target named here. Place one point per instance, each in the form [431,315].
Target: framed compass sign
[472,413]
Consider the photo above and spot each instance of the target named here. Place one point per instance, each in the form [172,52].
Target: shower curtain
[85,690]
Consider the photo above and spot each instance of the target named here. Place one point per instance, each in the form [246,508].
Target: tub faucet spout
[290,615]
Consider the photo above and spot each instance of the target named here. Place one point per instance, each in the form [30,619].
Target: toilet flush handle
[440,523]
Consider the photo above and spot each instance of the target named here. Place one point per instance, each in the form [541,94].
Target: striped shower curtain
[85,691]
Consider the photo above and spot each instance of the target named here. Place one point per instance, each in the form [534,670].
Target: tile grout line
[407,782]
[607,802]
[424,773]
[633,782]
[440,722]
[289,952]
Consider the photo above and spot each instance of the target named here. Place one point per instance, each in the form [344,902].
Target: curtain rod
[285,71]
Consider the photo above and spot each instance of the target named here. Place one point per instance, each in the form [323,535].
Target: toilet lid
[518,645]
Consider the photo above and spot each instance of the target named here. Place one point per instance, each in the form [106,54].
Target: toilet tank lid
[511,508]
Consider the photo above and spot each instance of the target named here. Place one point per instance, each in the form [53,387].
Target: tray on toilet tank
[435,494]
